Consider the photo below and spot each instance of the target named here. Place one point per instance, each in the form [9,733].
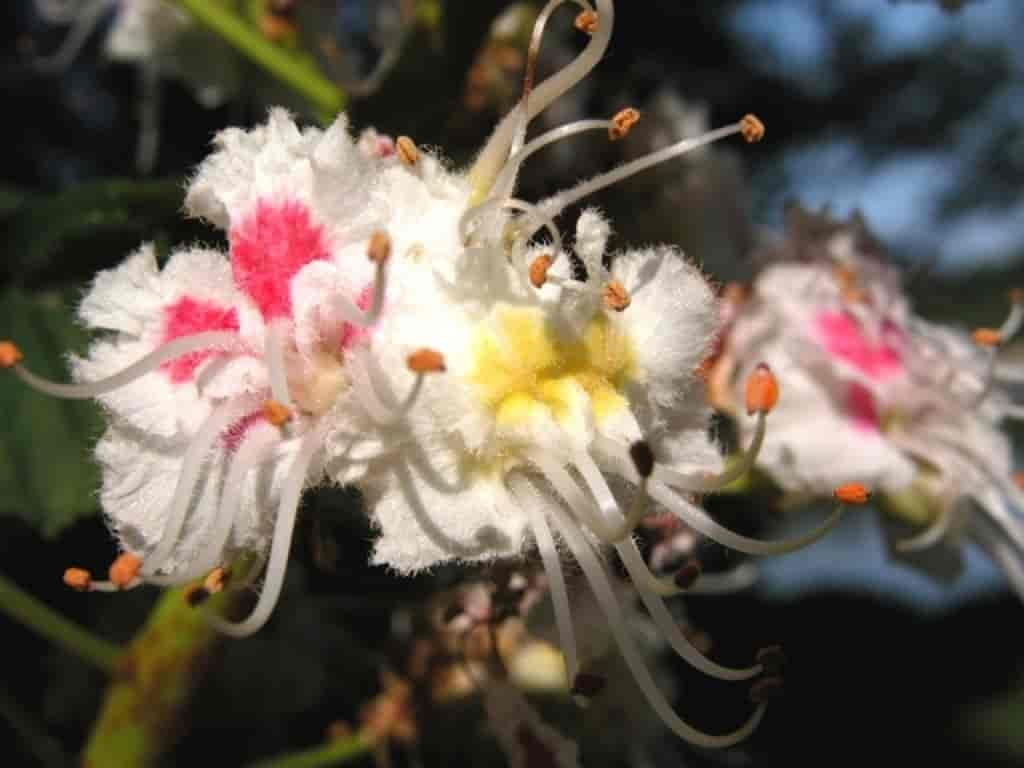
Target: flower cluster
[382,321]
[876,394]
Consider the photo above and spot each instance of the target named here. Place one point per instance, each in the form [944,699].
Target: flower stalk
[300,74]
[40,618]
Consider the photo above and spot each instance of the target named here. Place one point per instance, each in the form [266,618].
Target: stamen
[215,581]
[407,152]
[78,579]
[10,355]
[274,353]
[751,128]
[539,270]
[852,493]
[615,296]
[426,360]
[284,526]
[588,685]
[192,462]
[560,201]
[987,337]
[622,122]
[495,153]
[602,589]
[276,413]
[667,625]
[701,522]
[171,350]
[530,501]
[762,390]
[586,22]
[256,448]
[124,570]
[378,249]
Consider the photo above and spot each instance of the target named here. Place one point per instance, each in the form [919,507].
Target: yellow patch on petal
[523,371]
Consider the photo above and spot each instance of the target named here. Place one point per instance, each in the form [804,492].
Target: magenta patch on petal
[843,337]
[232,436]
[269,247]
[353,334]
[861,408]
[186,317]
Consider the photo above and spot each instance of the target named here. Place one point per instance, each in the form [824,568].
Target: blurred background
[910,111]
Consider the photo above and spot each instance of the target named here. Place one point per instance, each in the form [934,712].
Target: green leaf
[47,475]
[92,226]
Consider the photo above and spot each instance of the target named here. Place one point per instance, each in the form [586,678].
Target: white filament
[284,526]
[162,354]
[192,463]
[709,483]
[667,625]
[700,522]
[609,605]
[274,352]
[530,501]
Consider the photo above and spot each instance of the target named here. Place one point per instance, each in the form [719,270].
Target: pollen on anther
[378,250]
[751,128]
[407,151]
[586,21]
[615,296]
[124,569]
[10,355]
[276,413]
[622,122]
[426,360]
[539,270]
[643,457]
[762,390]
[852,493]
[987,337]
[78,579]
[215,580]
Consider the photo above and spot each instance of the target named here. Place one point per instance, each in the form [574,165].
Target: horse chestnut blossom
[383,321]
[875,394]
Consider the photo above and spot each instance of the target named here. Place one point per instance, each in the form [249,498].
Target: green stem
[39,617]
[150,691]
[285,66]
[338,752]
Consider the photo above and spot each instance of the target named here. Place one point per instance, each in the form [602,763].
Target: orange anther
[735,293]
[276,413]
[987,337]
[275,27]
[215,580]
[10,355]
[378,250]
[539,270]
[407,151]
[78,579]
[124,569]
[852,493]
[751,128]
[426,360]
[622,122]
[615,296]
[762,390]
[586,21]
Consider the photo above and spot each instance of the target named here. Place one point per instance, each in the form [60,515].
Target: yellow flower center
[523,370]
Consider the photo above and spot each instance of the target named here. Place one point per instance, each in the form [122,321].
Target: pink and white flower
[876,394]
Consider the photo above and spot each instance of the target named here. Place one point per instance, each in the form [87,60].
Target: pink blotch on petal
[188,316]
[268,248]
[843,338]
[353,334]
[861,408]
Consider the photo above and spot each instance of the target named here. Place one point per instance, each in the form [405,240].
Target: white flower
[877,395]
[566,402]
